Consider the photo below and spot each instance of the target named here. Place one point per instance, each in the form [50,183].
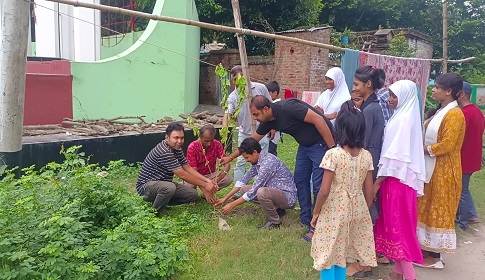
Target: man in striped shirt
[156,175]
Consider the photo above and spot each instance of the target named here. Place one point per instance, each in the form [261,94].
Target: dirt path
[468,263]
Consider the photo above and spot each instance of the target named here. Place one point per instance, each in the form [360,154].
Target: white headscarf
[331,100]
[402,154]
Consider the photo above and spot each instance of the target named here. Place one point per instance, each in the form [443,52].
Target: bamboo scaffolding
[217,27]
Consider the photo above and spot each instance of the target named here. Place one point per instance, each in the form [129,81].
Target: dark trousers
[307,167]
[163,193]
[466,208]
[272,148]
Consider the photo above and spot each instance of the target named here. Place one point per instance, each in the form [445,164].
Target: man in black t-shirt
[311,130]
[156,175]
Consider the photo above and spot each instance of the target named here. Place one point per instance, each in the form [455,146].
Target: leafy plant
[430,102]
[222,73]
[69,221]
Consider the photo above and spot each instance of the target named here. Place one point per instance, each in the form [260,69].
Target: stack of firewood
[119,125]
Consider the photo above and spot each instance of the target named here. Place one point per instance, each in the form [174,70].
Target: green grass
[245,252]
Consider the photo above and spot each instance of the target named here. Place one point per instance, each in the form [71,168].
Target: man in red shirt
[203,153]
[471,155]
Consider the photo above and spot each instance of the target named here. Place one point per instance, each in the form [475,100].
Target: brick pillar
[300,67]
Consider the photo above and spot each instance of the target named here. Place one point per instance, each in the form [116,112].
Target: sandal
[438,265]
[473,221]
[384,260]
[308,238]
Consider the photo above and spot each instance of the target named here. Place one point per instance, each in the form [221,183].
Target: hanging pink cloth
[400,68]
[310,97]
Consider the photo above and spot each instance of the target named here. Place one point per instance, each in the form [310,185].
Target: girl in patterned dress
[343,226]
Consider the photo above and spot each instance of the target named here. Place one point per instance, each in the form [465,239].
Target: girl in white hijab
[400,178]
[337,93]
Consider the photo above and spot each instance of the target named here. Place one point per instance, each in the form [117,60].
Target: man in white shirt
[243,118]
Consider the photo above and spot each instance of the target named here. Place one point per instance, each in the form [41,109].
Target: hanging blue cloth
[350,63]
[420,98]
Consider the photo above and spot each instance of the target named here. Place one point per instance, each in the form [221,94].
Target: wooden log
[41,127]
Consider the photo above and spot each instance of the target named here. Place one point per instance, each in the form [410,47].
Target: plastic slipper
[437,265]
[306,237]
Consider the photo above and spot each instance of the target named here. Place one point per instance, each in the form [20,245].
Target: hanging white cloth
[431,136]
[402,154]
[331,100]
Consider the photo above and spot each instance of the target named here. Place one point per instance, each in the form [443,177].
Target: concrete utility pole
[244,57]
[13,57]
[445,36]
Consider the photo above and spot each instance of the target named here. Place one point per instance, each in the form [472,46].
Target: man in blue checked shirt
[383,96]
[273,189]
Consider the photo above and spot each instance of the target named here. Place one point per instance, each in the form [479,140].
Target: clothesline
[217,27]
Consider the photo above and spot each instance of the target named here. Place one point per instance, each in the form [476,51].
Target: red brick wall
[261,69]
[302,69]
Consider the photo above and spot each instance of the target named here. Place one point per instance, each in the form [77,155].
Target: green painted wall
[122,45]
[144,80]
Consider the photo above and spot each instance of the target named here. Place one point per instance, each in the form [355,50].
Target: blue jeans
[307,166]
[466,208]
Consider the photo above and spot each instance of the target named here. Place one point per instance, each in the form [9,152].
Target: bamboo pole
[217,27]
[445,36]
[244,60]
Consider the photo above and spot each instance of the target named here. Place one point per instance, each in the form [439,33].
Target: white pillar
[47,29]
[13,56]
[54,32]
[66,31]
[87,33]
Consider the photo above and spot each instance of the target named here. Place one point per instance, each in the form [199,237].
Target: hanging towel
[363,57]
[290,93]
[350,63]
[310,97]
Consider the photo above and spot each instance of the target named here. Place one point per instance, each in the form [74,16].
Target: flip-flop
[306,237]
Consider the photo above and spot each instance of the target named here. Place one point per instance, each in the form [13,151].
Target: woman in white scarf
[400,179]
[443,138]
[337,93]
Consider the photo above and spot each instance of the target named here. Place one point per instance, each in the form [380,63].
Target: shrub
[67,222]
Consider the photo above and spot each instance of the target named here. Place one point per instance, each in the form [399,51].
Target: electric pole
[13,57]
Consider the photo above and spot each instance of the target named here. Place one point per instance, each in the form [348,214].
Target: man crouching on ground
[273,189]
[156,175]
